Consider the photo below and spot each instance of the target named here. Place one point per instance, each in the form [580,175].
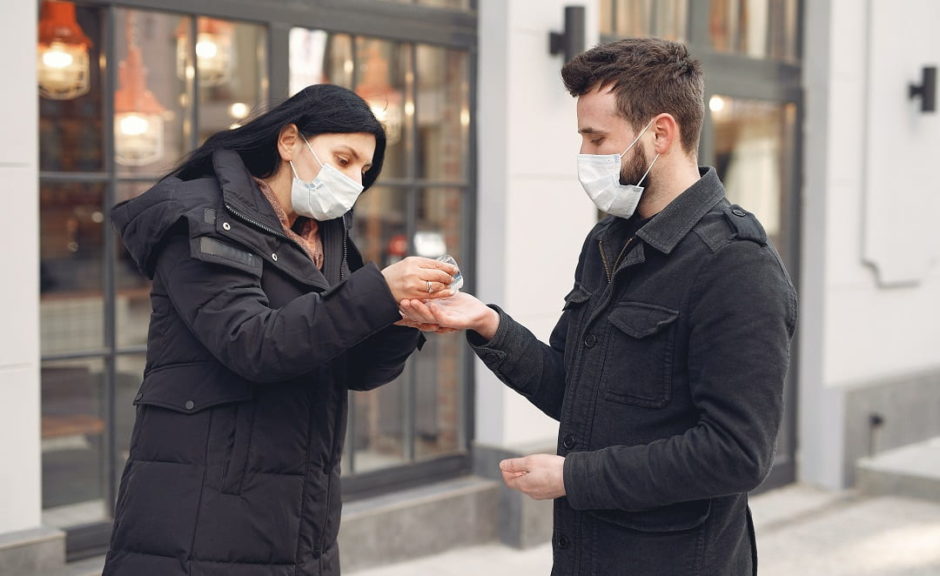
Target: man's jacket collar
[669,227]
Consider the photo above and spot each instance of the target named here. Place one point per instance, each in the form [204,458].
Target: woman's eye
[342,161]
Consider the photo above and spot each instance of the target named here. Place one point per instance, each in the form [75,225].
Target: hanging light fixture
[62,54]
[384,100]
[214,54]
[138,119]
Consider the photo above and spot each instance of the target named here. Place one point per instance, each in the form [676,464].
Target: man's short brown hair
[649,76]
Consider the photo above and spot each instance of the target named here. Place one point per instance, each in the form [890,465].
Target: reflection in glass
[70,268]
[443,113]
[62,63]
[644,18]
[437,368]
[384,79]
[754,155]
[228,99]
[379,435]
[132,289]
[151,102]
[70,131]
[756,28]
[73,449]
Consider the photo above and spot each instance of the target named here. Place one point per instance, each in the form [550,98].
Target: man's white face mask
[599,175]
[330,195]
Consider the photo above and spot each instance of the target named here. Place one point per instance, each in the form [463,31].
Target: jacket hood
[142,222]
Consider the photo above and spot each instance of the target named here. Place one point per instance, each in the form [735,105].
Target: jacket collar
[669,227]
[240,192]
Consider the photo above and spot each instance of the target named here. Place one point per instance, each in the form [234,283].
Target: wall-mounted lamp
[926,90]
[571,41]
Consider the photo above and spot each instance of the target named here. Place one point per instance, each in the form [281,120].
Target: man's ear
[288,140]
[666,133]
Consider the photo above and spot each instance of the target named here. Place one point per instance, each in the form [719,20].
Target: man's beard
[634,169]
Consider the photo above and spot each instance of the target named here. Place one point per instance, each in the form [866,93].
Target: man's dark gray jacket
[666,372]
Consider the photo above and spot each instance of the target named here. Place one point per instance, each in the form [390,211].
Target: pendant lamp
[384,100]
[62,54]
[214,54]
[138,120]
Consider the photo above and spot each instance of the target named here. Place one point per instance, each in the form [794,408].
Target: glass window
[757,28]
[754,155]
[71,267]
[151,101]
[641,18]
[70,123]
[74,458]
[443,113]
[384,78]
[227,98]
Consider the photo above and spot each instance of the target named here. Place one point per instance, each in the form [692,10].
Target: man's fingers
[514,465]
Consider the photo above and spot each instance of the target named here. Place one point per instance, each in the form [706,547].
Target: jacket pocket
[575,304]
[209,390]
[638,367]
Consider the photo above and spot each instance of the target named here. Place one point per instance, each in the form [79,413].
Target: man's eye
[597,141]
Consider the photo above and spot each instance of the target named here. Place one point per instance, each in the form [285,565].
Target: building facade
[809,123]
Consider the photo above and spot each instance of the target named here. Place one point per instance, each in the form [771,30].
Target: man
[666,369]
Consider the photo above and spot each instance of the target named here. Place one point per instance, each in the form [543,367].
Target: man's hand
[540,476]
[461,311]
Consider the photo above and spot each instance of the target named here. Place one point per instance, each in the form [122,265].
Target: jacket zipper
[623,251]
[257,224]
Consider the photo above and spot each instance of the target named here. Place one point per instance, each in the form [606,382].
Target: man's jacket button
[739,212]
[190,404]
[590,340]
[563,541]
[568,442]
[491,357]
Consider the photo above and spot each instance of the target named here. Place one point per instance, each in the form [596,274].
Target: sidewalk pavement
[801,531]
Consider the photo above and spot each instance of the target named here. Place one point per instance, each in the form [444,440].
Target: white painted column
[20,486]
[532,214]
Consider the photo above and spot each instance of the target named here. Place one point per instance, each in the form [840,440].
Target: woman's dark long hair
[317,109]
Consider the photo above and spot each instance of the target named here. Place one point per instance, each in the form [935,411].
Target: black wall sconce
[571,41]
[926,90]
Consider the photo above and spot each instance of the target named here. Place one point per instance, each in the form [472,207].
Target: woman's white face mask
[330,195]
[599,175]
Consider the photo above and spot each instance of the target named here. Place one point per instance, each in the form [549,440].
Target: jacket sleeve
[524,363]
[381,358]
[228,312]
[742,316]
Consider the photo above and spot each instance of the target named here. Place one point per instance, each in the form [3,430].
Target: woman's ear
[288,140]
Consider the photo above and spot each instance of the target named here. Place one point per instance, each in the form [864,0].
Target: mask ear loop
[309,147]
[638,136]
[648,170]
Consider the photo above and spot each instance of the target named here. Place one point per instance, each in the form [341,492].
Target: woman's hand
[416,277]
[461,311]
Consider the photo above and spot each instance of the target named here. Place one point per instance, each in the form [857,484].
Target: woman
[263,317]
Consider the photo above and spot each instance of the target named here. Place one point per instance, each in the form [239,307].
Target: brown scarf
[308,229]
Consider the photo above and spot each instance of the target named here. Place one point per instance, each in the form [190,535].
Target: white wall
[20,494]
[532,214]
[870,304]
